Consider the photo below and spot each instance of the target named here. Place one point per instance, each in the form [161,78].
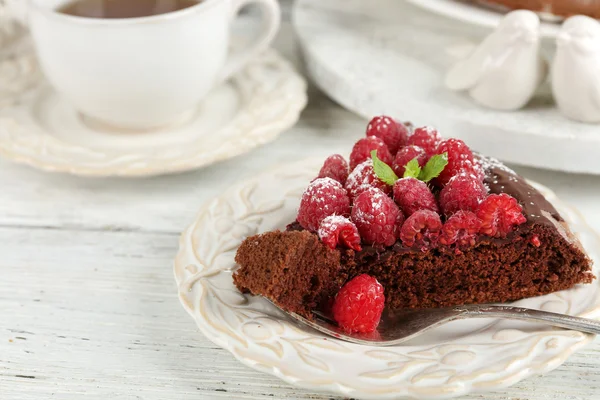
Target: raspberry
[358,305]
[337,229]
[363,177]
[405,155]
[322,198]
[421,229]
[336,168]
[499,213]
[460,158]
[376,217]
[362,151]
[394,134]
[413,195]
[426,138]
[535,240]
[461,228]
[399,222]
[463,192]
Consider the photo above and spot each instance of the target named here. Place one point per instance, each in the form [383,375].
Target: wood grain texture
[88,304]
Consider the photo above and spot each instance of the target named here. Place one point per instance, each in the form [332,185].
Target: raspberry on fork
[358,305]
[336,229]
[376,216]
[421,229]
[499,214]
[362,149]
[405,155]
[322,198]
[463,192]
[364,177]
[413,195]
[461,228]
[426,138]
[394,134]
[335,167]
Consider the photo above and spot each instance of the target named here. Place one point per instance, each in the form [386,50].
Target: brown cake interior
[299,273]
[293,269]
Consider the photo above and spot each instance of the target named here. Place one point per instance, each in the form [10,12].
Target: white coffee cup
[142,73]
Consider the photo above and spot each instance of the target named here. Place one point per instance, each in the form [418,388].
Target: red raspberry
[358,305]
[421,229]
[499,213]
[322,198]
[405,155]
[460,158]
[461,228]
[363,148]
[337,229]
[376,217]
[363,177]
[394,134]
[336,168]
[426,138]
[399,222]
[413,195]
[463,192]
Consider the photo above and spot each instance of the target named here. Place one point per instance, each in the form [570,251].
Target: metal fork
[399,326]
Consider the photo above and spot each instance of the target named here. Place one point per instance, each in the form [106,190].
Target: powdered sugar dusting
[336,229]
[331,222]
[362,178]
[376,212]
[489,163]
[376,215]
[322,198]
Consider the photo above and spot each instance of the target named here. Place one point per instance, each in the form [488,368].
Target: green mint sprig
[382,170]
[431,170]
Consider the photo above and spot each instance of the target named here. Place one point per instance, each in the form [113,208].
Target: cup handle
[270,26]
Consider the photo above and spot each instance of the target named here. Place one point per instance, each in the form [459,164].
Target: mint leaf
[382,170]
[434,167]
[412,169]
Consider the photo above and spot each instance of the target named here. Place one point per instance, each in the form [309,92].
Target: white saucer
[450,361]
[477,14]
[388,56]
[41,129]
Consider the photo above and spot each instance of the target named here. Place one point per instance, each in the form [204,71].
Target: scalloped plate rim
[276,127]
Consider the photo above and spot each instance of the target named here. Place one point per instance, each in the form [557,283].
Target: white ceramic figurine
[576,69]
[506,69]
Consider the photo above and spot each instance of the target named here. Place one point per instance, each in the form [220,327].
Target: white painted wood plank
[97,313]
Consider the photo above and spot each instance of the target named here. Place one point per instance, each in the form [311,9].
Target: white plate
[477,14]
[41,129]
[388,56]
[459,358]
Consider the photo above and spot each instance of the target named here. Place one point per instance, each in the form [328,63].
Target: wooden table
[88,303]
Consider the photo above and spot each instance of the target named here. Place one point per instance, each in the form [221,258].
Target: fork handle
[526,314]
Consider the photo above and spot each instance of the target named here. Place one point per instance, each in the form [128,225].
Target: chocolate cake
[562,8]
[537,255]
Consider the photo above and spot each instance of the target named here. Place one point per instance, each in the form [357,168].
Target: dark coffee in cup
[124,8]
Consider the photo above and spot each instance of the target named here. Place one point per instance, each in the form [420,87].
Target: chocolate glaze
[501,179]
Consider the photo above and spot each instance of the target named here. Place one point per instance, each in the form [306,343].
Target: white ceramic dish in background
[459,358]
[40,129]
[388,56]
[478,14]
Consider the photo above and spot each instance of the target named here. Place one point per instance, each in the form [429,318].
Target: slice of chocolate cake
[486,237]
